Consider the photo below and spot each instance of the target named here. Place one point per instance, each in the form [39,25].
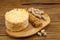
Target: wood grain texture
[53,29]
[29,1]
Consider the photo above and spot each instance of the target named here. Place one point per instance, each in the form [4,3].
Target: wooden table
[50,7]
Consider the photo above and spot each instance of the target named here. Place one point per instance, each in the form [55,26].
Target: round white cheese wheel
[16,19]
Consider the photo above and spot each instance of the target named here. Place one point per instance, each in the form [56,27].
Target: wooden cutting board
[30,30]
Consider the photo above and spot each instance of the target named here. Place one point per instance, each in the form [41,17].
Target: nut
[30,9]
[44,34]
[39,33]
[43,31]
[38,13]
[43,17]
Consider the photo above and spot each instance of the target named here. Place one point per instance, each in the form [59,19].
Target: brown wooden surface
[29,1]
[53,29]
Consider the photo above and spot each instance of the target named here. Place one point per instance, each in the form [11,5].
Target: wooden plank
[29,1]
[50,9]
[50,36]
[9,5]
